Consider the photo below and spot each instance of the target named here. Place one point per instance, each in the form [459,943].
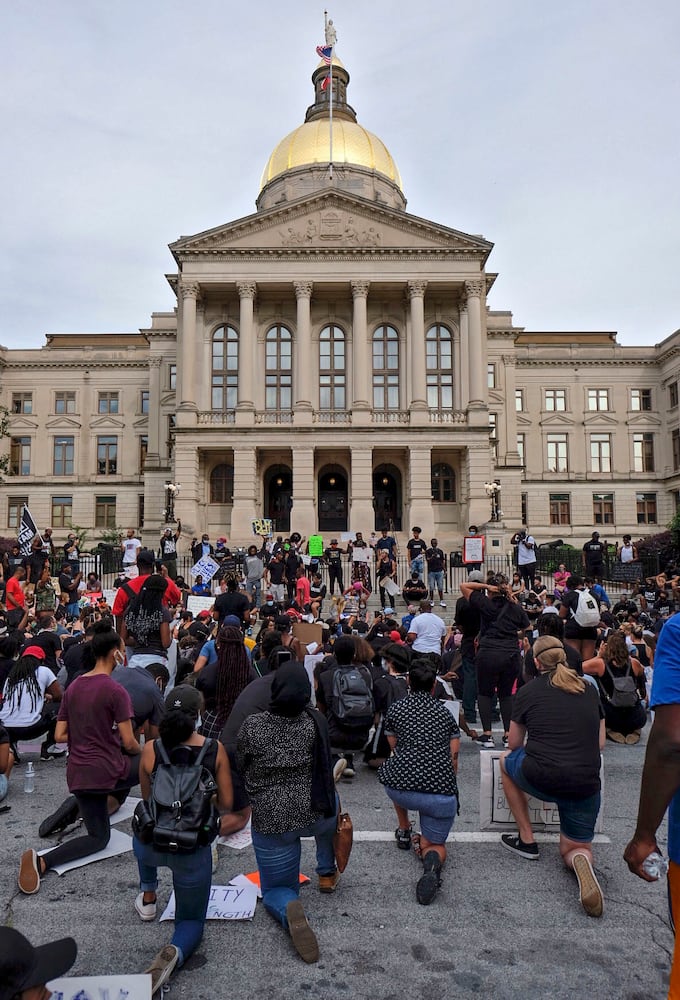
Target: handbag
[343,839]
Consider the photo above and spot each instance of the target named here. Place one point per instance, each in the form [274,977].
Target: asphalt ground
[500,927]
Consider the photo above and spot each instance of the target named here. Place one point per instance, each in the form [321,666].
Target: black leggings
[497,671]
[94,809]
[47,723]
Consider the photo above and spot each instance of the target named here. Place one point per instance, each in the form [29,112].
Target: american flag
[326,82]
[325,52]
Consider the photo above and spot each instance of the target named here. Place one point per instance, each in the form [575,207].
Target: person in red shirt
[14,594]
[145,561]
[302,588]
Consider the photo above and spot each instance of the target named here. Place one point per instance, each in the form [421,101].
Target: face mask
[384,664]
[118,657]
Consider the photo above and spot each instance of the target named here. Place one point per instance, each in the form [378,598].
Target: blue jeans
[254,590]
[435,580]
[278,860]
[191,878]
[417,566]
[4,786]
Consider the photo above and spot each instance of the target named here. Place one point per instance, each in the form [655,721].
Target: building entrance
[387,498]
[332,500]
[278,496]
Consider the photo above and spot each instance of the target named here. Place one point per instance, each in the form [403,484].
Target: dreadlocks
[233,670]
[22,680]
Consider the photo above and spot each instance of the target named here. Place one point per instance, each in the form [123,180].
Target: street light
[493,491]
[171,491]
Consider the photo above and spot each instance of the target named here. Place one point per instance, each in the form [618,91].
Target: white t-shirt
[18,711]
[526,552]
[429,630]
[131,547]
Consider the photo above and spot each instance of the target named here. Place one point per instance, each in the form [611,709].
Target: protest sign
[262,526]
[195,604]
[391,587]
[473,549]
[239,840]
[226,902]
[205,567]
[362,555]
[133,987]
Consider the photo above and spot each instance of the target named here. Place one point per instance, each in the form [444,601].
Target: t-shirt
[342,737]
[16,592]
[666,691]
[172,594]
[594,552]
[435,560]
[429,631]
[416,547]
[572,629]
[168,547]
[92,707]
[50,643]
[421,761]
[563,738]
[145,695]
[302,591]
[254,568]
[388,543]
[18,710]
[231,603]
[277,571]
[333,556]
[500,621]
[131,547]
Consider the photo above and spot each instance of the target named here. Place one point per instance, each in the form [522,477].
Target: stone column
[189,508]
[245,506]
[186,363]
[361,514]
[416,294]
[303,347]
[475,292]
[86,445]
[362,362]
[511,455]
[478,469]
[420,490]
[463,373]
[247,344]
[303,514]
[154,426]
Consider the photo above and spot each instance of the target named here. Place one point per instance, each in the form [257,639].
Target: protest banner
[473,549]
[133,987]
[205,567]
[226,902]
[262,526]
[196,604]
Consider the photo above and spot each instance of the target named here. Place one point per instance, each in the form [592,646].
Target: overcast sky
[549,128]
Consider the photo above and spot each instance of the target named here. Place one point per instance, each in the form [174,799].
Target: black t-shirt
[277,571]
[563,744]
[232,603]
[333,556]
[414,590]
[50,643]
[572,629]
[145,695]
[254,698]
[468,621]
[500,621]
[416,547]
[594,552]
[387,689]
[74,661]
[574,662]
[435,560]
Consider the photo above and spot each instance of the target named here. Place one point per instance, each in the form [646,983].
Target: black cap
[145,557]
[22,966]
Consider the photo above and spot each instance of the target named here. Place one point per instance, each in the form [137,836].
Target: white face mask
[118,657]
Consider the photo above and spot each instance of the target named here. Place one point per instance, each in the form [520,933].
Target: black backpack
[180,814]
[624,689]
[352,698]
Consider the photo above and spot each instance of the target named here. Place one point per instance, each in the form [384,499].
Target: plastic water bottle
[655,865]
[29,777]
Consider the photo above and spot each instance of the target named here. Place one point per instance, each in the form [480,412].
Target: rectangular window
[491,376]
[525,508]
[673,394]
[171,434]
[62,456]
[493,433]
[598,399]
[519,400]
[560,508]
[20,456]
[646,508]
[520,449]
[675,441]
[143,450]
[105,512]
[555,399]
[600,453]
[108,402]
[140,510]
[641,399]
[603,508]
[643,452]
[107,455]
[64,402]
[172,376]
[144,401]
[62,512]
[22,402]
[557,453]
[15,507]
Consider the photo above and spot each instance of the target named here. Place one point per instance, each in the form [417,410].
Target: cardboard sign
[205,567]
[226,902]
[494,811]
[308,632]
[195,603]
[473,549]
[134,987]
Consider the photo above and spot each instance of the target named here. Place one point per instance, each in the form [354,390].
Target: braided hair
[233,670]
[22,680]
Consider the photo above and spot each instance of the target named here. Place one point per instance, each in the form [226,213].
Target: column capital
[475,289]
[190,289]
[303,289]
[359,289]
[416,289]
[155,362]
[462,306]
[246,289]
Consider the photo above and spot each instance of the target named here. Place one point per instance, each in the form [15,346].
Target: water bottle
[655,865]
[29,777]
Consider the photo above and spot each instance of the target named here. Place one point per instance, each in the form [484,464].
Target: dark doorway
[332,500]
[387,498]
[278,496]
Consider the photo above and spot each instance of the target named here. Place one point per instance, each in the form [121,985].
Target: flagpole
[330,166]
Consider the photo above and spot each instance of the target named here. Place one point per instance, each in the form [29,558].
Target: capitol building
[332,364]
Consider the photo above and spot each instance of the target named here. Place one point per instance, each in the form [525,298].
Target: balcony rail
[332,417]
[217,418]
[391,416]
[448,417]
[274,417]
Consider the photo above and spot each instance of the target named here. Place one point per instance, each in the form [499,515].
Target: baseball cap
[388,611]
[233,620]
[186,698]
[23,966]
[476,576]
[36,651]
[395,636]
[145,557]
[203,615]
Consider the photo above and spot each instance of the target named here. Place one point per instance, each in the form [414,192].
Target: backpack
[352,699]
[141,624]
[179,815]
[624,689]
[587,612]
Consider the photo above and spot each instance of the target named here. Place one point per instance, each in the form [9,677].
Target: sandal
[403,838]
[415,841]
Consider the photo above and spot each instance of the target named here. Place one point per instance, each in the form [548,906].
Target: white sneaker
[145,911]
[339,768]
[442,604]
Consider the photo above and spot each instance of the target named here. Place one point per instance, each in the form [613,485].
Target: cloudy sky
[549,128]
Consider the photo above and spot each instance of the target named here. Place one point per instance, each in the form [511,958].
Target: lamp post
[171,491]
[493,491]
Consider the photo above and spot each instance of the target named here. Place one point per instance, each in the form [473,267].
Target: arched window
[443,483]
[278,369]
[222,484]
[332,368]
[385,368]
[439,360]
[224,374]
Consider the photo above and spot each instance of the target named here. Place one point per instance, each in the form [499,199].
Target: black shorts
[572,630]
[497,671]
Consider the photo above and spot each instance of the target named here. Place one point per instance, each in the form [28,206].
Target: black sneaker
[485,740]
[403,838]
[505,743]
[430,881]
[50,753]
[513,843]
[62,817]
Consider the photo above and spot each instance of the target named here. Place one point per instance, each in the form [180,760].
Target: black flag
[27,532]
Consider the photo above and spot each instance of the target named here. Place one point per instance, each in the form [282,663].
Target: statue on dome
[331,33]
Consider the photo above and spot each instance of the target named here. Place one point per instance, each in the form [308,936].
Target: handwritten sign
[263,526]
[205,567]
[196,604]
[629,572]
[494,811]
[226,902]
[361,555]
[473,549]
[239,840]
[135,987]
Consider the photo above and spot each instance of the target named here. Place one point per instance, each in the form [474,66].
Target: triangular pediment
[334,222]
[600,419]
[557,420]
[523,421]
[643,420]
[141,422]
[21,423]
[105,422]
[62,423]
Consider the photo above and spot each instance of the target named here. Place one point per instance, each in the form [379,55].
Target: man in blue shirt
[661,777]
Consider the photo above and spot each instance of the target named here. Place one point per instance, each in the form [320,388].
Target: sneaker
[145,911]
[349,770]
[615,737]
[590,893]
[63,816]
[486,741]
[301,934]
[162,967]
[505,743]
[513,843]
[51,752]
[339,769]
[430,881]
[633,738]
[328,883]
[29,873]
[403,838]
[442,604]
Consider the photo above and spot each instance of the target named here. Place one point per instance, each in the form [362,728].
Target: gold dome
[309,144]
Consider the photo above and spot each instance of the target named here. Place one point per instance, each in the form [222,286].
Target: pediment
[496,397]
[523,421]
[141,422]
[105,422]
[600,419]
[643,420]
[20,423]
[331,222]
[62,423]
[557,420]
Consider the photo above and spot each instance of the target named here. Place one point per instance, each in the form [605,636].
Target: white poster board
[120,843]
[134,987]
[362,555]
[473,549]
[195,603]
[311,661]
[392,588]
[205,567]
[494,811]
[226,902]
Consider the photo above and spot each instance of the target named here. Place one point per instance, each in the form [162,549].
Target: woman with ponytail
[95,720]
[191,871]
[560,716]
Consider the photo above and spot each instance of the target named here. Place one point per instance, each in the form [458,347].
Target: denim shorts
[577,816]
[437,812]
